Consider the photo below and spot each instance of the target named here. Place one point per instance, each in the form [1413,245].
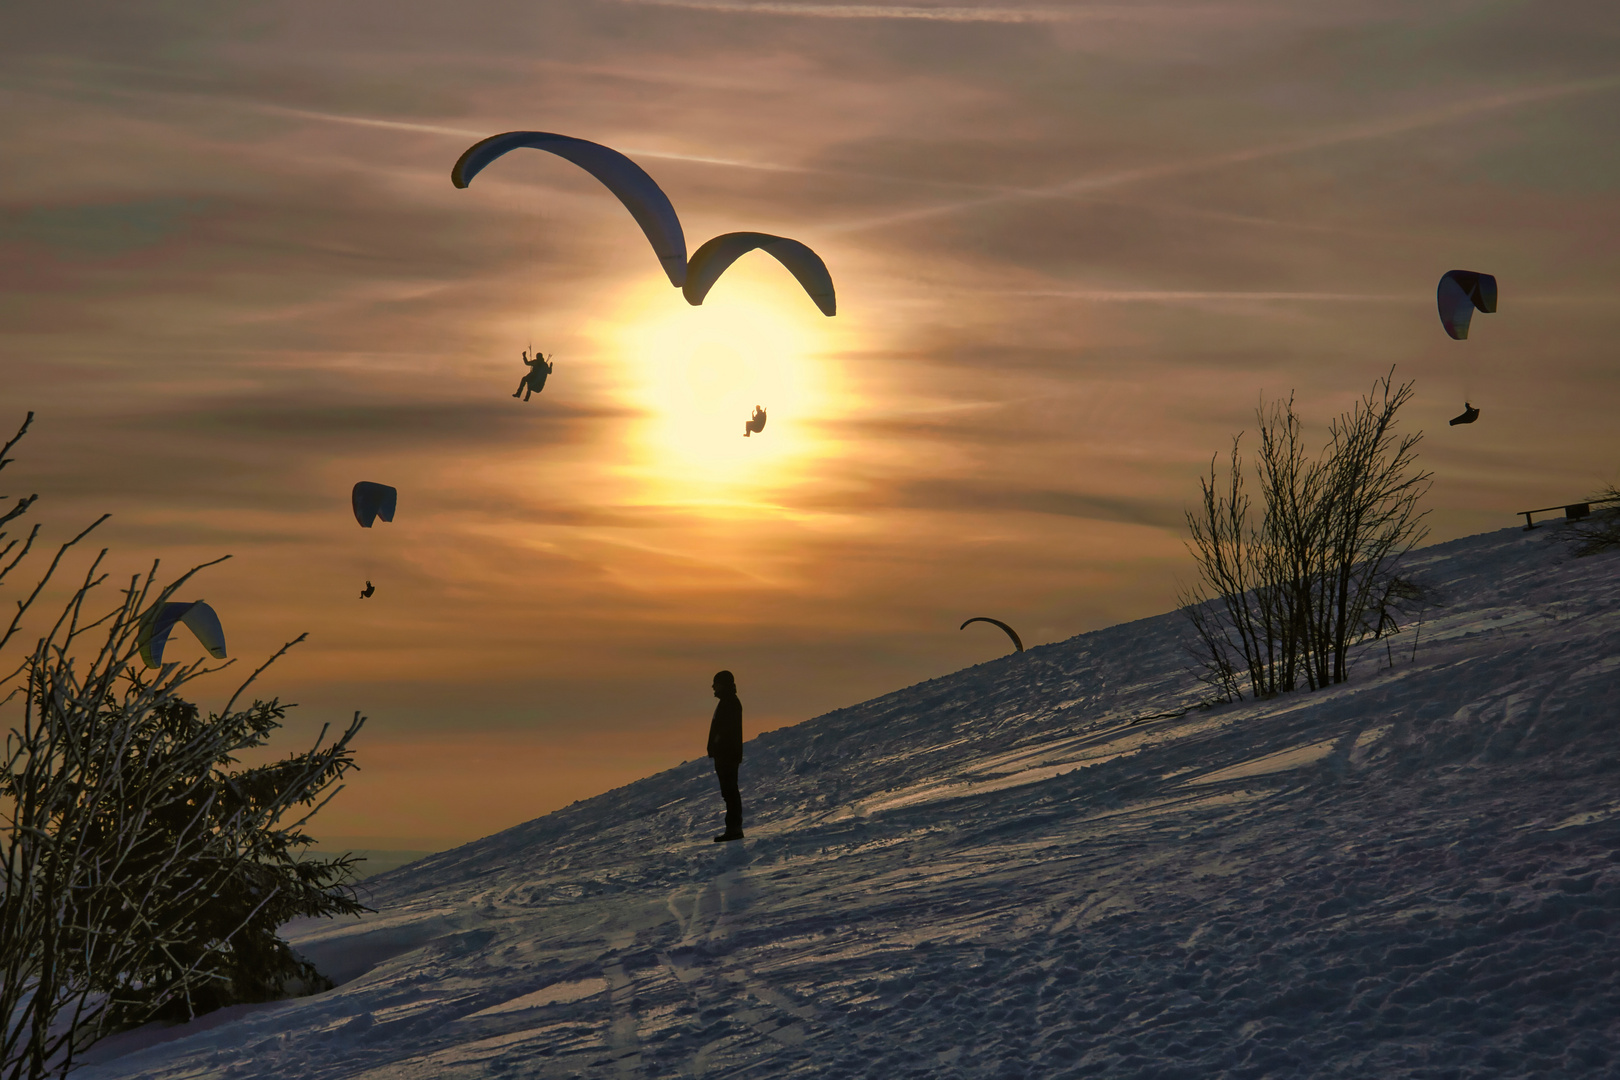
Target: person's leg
[726,771]
[521,384]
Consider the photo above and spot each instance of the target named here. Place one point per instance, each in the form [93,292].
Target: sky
[1075,245]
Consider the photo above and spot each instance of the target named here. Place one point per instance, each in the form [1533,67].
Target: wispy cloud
[968,14]
[469,133]
[359,121]
[1168,296]
[1375,129]
[630,151]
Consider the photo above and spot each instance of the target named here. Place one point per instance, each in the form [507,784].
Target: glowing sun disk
[694,374]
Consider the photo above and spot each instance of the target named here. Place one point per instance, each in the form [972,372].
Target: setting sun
[695,374]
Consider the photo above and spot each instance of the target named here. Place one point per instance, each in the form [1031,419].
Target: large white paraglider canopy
[639,193]
[712,259]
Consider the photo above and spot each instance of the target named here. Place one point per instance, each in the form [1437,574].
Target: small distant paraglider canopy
[1459,294]
[712,259]
[157,624]
[1470,414]
[757,424]
[1019,645]
[639,193]
[372,501]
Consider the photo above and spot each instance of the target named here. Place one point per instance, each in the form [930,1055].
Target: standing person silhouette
[726,748]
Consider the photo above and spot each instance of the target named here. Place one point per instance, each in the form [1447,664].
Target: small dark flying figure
[365,593]
[757,424]
[535,380]
[1470,414]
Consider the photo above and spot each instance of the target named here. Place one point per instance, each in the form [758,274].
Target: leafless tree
[131,860]
[1282,599]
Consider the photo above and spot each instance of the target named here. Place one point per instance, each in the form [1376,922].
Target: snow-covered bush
[1282,599]
[139,876]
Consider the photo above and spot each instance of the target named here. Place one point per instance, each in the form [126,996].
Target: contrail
[361,121]
[1377,129]
[634,152]
[935,14]
[1174,296]
[1167,296]
[468,133]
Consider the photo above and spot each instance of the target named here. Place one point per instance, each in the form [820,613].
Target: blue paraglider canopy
[1460,294]
[157,624]
[372,501]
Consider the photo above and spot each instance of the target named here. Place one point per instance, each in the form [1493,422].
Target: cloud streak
[1172,296]
[971,14]
[1376,129]
[464,133]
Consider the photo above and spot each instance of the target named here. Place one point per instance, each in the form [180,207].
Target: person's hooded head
[725,684]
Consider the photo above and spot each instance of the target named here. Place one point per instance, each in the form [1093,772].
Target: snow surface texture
[1006,873]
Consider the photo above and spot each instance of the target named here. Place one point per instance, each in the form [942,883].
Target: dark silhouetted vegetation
[1600,531]
[1284,593]
[142,876]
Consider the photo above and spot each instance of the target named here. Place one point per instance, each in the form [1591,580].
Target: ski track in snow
[1009,872]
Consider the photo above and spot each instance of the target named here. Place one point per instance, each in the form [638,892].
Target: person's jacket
[725,730]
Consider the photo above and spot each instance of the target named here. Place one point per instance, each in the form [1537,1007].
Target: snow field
[1027,869]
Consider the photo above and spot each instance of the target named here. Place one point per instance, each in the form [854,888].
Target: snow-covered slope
[1027,869]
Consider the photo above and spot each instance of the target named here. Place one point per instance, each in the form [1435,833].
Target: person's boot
[727,837]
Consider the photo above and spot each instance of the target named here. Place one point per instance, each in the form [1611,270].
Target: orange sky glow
[1074,246]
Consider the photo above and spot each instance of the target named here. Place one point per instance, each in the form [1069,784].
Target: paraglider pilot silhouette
[1469,415]
[726,748]
[365,593]
[757,424]
[535,380]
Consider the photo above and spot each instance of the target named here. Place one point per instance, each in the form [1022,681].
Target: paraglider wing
[154,631]
[372,501]
[201,620]
[1019,645]
[1460,294]
[712,259]
[1456,309]
[159,623]
[639,193]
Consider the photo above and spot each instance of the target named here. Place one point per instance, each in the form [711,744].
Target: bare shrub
[1281,599]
